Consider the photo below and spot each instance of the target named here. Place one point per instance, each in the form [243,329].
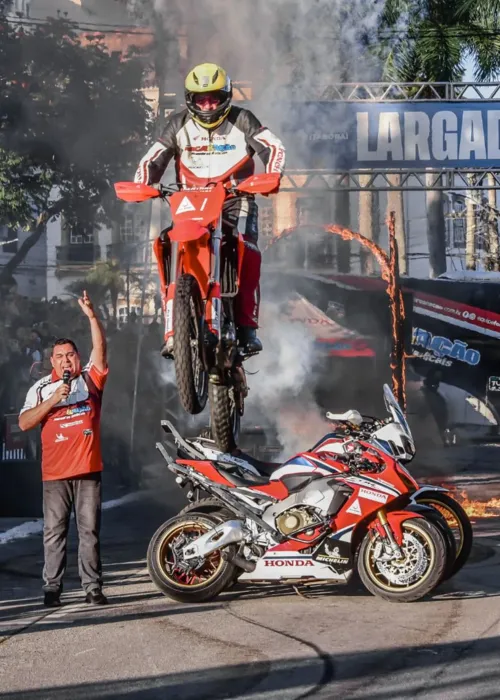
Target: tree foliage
[102,281]
[73,121]
[430,40]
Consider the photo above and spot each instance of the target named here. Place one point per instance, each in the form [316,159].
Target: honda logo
[289,562]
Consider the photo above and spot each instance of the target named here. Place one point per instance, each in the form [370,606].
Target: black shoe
[247,339]
[96,597]
[51,599]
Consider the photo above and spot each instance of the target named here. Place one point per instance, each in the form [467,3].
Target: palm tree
[430,41]
[103,280]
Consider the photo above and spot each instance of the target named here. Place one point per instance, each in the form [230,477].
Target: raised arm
[99,348]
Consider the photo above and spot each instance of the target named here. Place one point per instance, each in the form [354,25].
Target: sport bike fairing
[307,482]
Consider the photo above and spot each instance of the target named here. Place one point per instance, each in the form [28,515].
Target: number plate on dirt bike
[197,205]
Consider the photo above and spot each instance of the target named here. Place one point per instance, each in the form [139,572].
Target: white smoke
[281,47]
[281,390]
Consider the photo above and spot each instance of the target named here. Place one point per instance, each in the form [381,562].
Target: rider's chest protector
[213,155]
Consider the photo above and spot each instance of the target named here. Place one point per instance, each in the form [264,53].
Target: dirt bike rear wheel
[424,548]
[190,372]
[208,581]
[224,416]
[458,521]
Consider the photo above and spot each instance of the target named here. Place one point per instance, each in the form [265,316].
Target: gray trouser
[59,498]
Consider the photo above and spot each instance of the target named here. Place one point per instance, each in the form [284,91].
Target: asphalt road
[252,642]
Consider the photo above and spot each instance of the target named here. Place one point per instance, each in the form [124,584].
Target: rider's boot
[248,340]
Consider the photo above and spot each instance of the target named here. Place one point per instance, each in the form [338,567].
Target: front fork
[169,301]
[213,307]
[383,528]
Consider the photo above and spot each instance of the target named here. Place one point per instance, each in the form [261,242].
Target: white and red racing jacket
[204,155]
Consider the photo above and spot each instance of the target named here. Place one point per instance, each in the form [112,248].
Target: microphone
[66,376]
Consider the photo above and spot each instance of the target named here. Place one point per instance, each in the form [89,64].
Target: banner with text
[410,135]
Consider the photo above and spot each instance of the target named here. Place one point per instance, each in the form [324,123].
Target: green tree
[102,281]
[74,120]
[430,41]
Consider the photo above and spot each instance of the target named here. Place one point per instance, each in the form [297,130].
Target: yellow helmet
[208,78]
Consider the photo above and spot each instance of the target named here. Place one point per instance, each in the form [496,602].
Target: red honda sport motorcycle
[315,517]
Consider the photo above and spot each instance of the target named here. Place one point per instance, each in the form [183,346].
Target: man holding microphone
[67,405]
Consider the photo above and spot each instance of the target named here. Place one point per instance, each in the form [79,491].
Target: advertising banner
[410,135]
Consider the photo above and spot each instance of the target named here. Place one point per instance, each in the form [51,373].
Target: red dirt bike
[311,518]
[202,277]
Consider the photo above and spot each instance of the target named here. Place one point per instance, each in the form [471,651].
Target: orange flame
[480,509]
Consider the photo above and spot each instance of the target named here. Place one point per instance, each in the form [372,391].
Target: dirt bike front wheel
[190,372]
[225,416]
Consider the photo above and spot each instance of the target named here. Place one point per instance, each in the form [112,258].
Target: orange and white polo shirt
[71,440]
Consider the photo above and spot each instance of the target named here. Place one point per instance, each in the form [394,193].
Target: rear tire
[451,549]
[446,505]
[224,417]
[433,547]
[166,577]
[214,509]
[190,373]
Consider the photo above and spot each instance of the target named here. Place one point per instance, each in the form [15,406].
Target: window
[266,222]
[79,235]
[132,228]
[458,233]
[123,316]
[127,228]
[8,240]
[22,7]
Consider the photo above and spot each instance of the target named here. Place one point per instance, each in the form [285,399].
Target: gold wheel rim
[166,561]
[377,576]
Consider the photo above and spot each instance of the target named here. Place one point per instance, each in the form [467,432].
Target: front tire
[224,416]
[458,521]
[413,577]
[190,372]
[204,584]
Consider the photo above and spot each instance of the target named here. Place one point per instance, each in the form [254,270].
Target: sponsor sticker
[288,562]
[373,495]
[444,348]
[355,508]
[169,315]
[332,555]
[73,422]
[185,205]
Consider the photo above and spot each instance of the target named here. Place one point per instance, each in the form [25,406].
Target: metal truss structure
[397,92]
[386,179]
[389,180]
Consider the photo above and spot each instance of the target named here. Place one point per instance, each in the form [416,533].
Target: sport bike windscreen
[394,409]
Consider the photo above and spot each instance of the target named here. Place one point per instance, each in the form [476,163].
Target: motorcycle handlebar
[166,190]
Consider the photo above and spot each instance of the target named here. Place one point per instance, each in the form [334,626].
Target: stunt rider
[213,141]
